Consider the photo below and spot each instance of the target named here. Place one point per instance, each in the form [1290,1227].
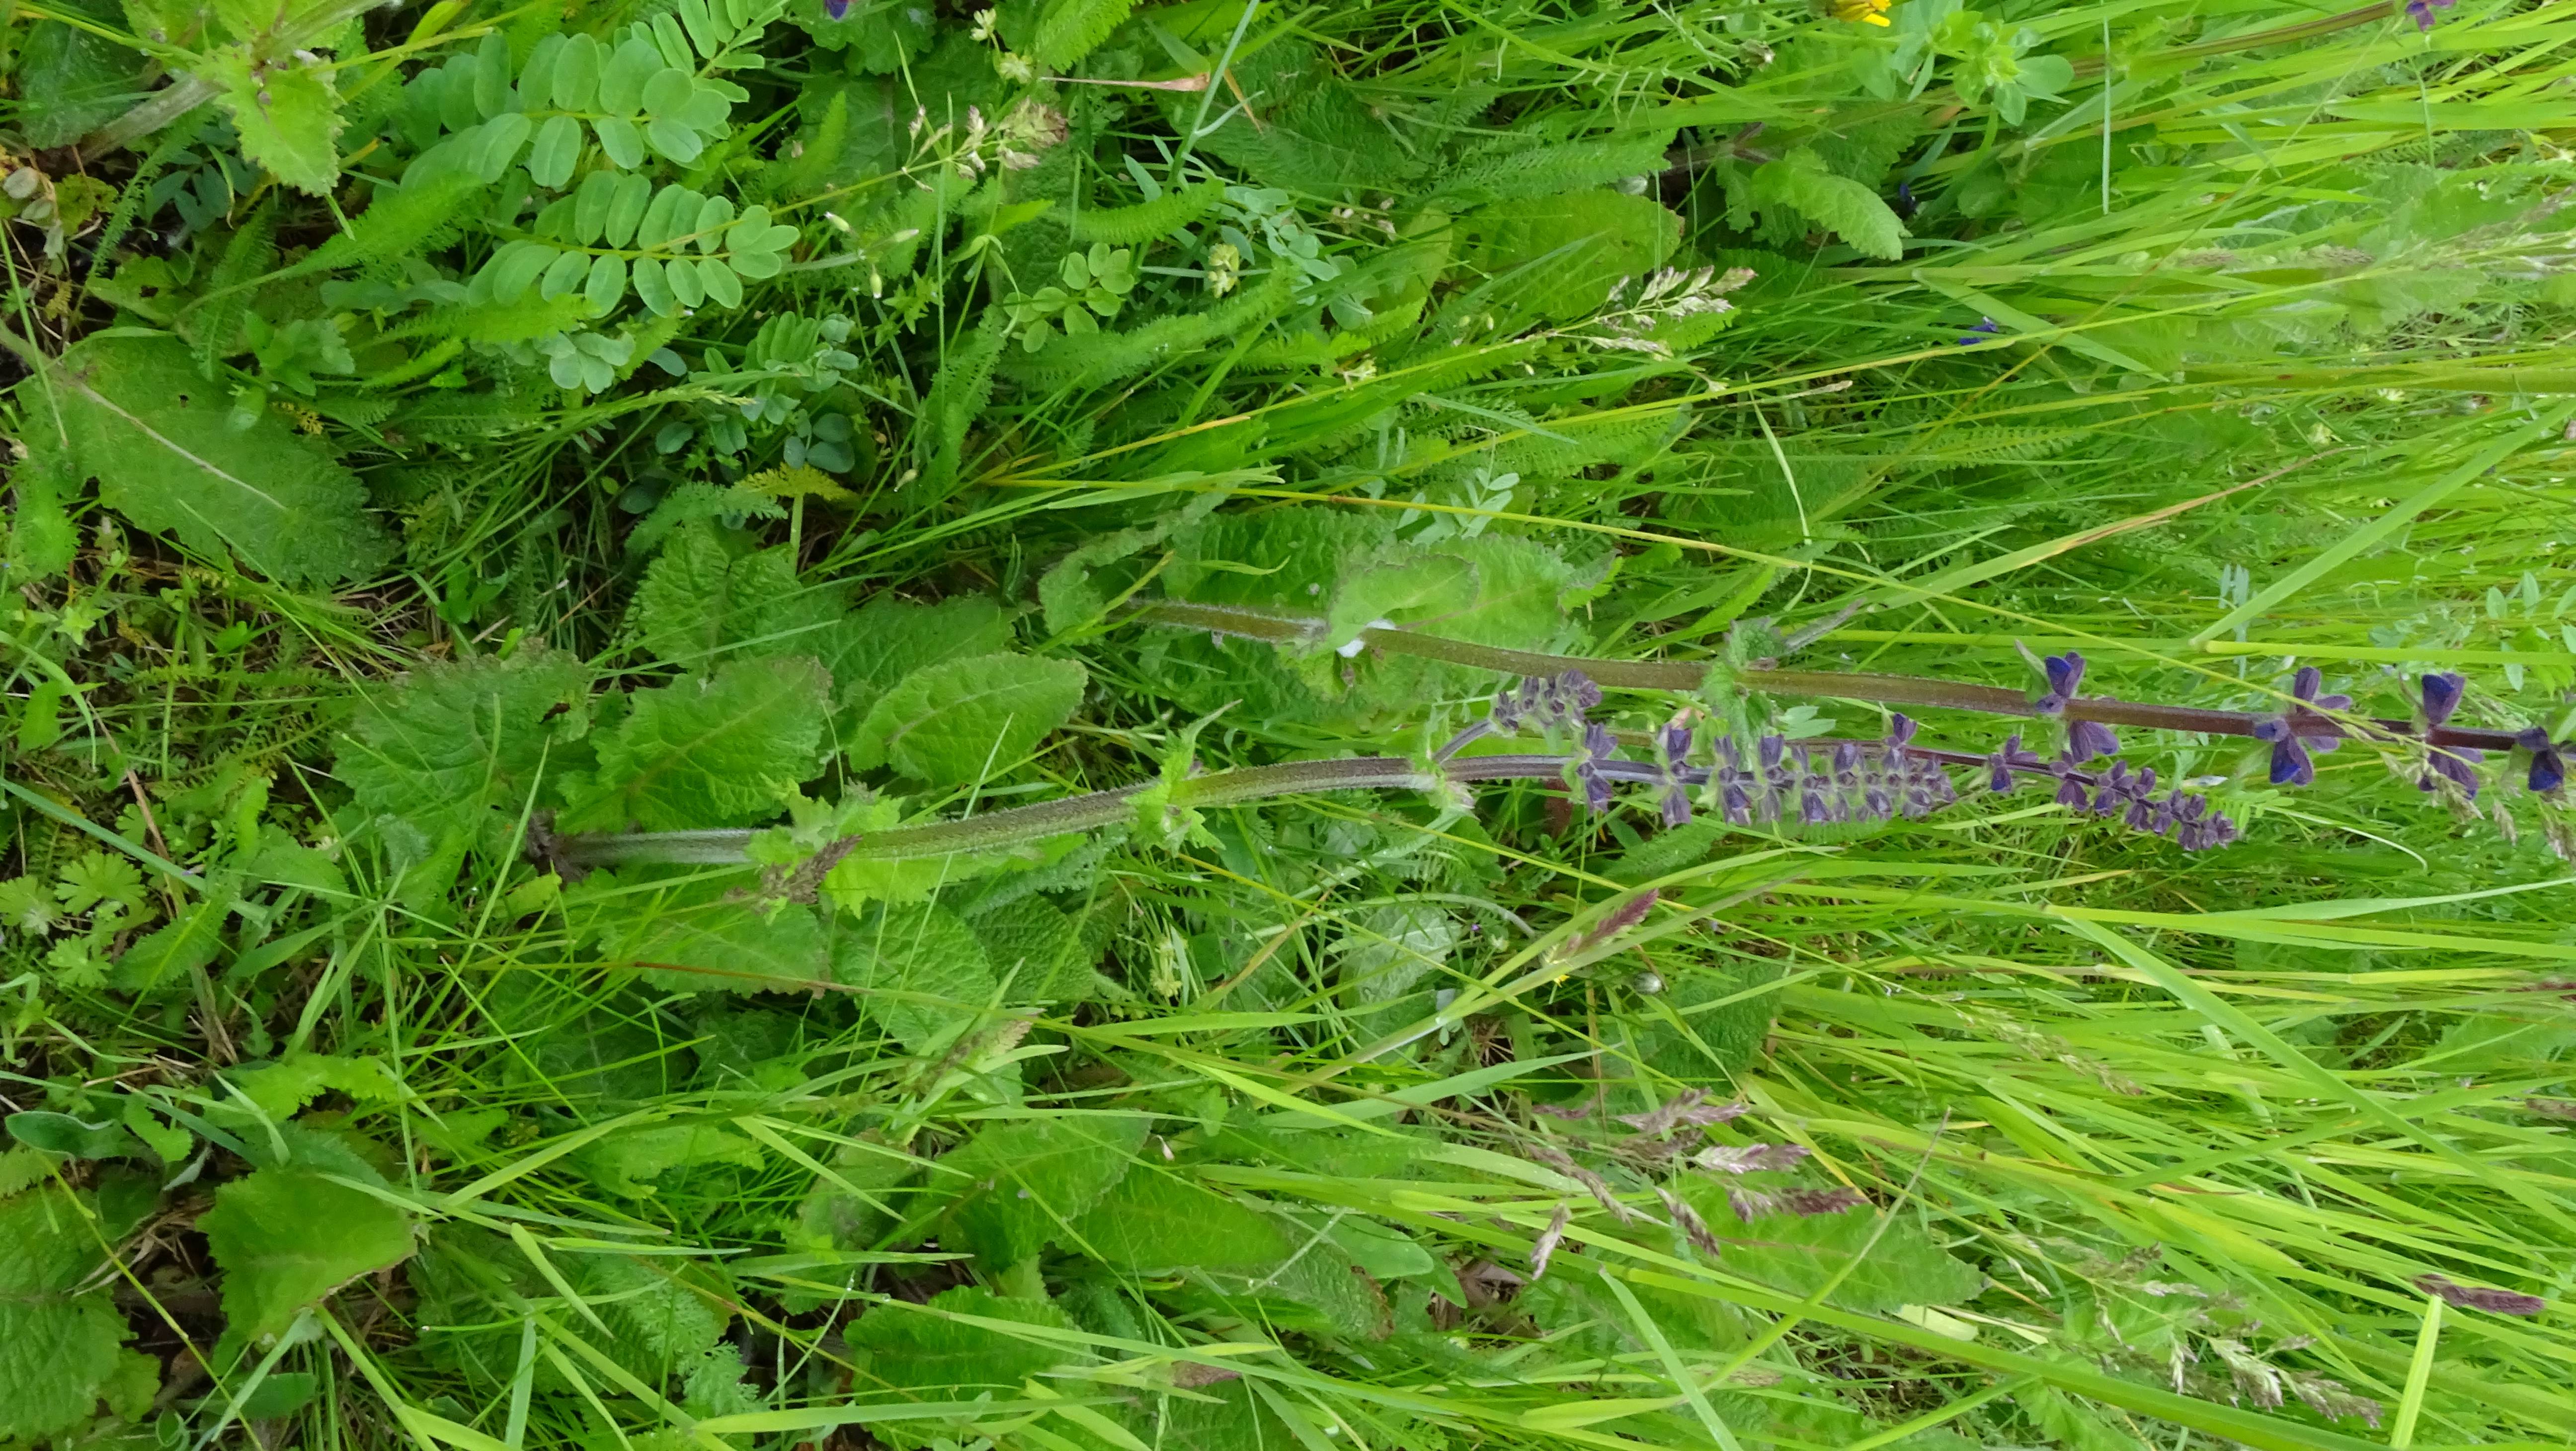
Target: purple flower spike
[2481,1297]
[2441,697]
[1900,730]
[2548,768]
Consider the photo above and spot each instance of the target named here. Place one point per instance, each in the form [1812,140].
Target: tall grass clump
[1212,726]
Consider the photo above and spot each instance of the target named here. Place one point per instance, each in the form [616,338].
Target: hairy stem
[1018,825]
[1689,675]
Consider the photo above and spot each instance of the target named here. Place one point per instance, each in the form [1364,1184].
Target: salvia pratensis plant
[1764,779]
[748,724]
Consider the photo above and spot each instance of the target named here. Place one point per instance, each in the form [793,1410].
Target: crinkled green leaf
[1156,1222]
[925,1354]
[168,454]
[288,116]
[287,1238]
[57,1351]
[964,721]
[1389,951]
[1030,1179]
[1036,948]
[707,751]
[456,748]
[625,1163]
[700,942]
[920,972]
[71,80]
[1425,587]
[888,638]
[1800,1253]
[710,594]
[283,1088]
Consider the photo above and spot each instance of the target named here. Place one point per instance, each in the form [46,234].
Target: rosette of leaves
[1096,281]
[643,92]
[675,246]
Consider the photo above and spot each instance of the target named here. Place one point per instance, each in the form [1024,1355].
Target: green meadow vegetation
[1287,725]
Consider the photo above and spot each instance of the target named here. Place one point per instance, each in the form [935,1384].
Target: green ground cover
[1236,726]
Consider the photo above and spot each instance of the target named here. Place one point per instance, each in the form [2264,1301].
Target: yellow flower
[1865,12]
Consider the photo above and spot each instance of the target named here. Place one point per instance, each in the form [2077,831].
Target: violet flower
[2548,768]
[837,9]
[2422,11]
[1735,784]
[2001,765]
[1772,752]
[2455,764]
[2296,731]
[1672,749]
[1598,746]
[2065,673]
[2086,740]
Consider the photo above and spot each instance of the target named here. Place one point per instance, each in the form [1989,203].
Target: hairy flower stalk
[1768,780]
[1878,689]
[1762,781]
